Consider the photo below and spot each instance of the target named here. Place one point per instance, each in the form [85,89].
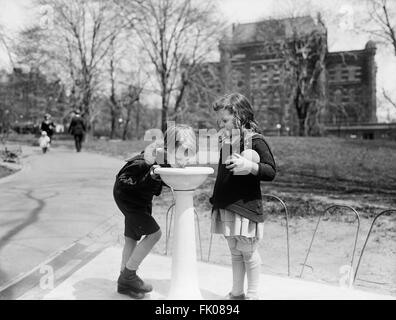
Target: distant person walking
[77,129]
[44,142]
[48,126]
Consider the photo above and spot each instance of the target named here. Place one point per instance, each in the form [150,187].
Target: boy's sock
[129,273]
[142,249]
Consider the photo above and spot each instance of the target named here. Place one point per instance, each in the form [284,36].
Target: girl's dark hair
[239,106]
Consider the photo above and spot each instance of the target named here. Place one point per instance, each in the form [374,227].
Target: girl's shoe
[230,296]
[251,297]
[129,292]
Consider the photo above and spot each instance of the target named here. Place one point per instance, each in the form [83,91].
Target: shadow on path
[31,219]
[105,289]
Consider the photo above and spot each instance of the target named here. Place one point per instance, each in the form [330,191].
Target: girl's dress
[231,224]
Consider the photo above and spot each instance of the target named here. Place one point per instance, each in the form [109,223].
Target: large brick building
[251,62]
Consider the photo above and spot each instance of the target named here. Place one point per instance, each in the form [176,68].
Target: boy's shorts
[138,225]
[138,221]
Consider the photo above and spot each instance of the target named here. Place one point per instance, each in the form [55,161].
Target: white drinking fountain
[184,280]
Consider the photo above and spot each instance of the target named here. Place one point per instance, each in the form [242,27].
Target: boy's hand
[153,175]
[160,156]
[239,165]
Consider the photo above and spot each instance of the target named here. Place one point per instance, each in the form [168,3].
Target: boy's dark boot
[128,279]
[131,293]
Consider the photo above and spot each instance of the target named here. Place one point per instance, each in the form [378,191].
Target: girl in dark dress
[237,202]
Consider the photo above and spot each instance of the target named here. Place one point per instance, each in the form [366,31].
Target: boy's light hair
[179,136]
[177,139]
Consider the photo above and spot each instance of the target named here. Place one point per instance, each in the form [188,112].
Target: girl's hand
[239,165]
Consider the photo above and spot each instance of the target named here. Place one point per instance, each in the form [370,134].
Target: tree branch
[388,98]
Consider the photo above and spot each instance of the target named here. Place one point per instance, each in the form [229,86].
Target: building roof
[271,30]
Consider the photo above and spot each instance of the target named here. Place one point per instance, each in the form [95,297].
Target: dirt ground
[331,250]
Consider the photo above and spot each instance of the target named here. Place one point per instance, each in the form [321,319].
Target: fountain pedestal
[184,280]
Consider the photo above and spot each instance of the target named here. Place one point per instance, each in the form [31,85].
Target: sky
[341,17]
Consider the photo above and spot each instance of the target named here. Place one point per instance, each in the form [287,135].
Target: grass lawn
[311,172]
[312,175]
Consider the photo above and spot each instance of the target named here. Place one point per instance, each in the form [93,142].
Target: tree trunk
[164,96]
[126,126]
[164,115]
[137,121]
[113,124]
[180,98]
[301,127]
[126,129]
[302,108]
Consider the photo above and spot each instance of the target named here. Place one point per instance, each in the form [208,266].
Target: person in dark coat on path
[77,129]
[48,126]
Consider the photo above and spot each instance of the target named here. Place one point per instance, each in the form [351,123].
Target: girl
[134,188]
[237,202]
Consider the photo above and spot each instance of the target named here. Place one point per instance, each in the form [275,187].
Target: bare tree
[4,112]
[386,96]
[131,103]
[381,23]
[4,42]
[303,76]
[115,107]
[126,86]
[176,35]
[76,45]
[205,85]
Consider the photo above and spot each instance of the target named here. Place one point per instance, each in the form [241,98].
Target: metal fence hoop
[367,238]
[287,228]
[316,228]
[169,226]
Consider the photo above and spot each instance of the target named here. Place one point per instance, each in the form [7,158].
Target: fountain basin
[184,179]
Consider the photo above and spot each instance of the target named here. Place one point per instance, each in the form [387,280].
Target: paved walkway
[55,200]
[97,281]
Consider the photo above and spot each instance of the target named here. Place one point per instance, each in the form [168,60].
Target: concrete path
[55,200]
[97,281]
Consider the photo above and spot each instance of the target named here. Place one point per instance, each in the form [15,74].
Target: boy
[134,188]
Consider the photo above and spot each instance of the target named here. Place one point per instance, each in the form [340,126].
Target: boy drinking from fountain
[134,188]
